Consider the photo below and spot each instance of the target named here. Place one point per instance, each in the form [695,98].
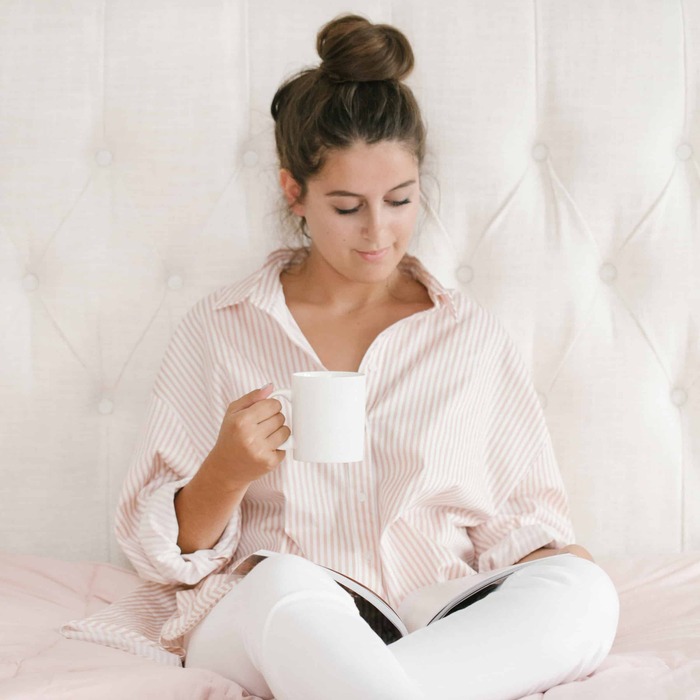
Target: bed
[656,653]
[561,192]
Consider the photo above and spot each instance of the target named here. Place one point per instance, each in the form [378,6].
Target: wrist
[215,477]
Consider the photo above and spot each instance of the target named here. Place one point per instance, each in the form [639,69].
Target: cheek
[336,226]
[333,231]
[408,220]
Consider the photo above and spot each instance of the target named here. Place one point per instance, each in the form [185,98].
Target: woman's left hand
[578,550]
[575,549]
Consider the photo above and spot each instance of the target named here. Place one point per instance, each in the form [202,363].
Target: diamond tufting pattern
[562,191]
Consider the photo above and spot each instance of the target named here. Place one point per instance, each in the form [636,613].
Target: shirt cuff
[158,532]
[519,543]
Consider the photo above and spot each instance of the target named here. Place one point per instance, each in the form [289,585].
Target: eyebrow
[343,193]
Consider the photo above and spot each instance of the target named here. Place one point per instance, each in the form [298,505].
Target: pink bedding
[656,653]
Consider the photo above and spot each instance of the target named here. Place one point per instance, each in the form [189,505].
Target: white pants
[288,631]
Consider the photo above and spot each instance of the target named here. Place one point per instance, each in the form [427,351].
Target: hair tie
[333,77]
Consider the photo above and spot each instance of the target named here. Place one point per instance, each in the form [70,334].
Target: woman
[460,473]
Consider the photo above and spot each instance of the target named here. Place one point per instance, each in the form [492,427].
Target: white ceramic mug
[327,417]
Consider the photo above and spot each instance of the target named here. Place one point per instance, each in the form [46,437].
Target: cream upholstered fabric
[138,174]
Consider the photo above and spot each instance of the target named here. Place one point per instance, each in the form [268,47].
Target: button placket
[358,490]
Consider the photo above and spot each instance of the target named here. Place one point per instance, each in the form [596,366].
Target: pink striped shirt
[459,475]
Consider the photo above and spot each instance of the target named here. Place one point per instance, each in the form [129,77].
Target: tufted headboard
[562,192]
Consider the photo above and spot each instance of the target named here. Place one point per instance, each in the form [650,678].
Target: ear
[292,190]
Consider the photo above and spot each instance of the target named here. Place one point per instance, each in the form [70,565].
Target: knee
[276,583]
[284,575]
[282,566]
[580,603]
[589,592]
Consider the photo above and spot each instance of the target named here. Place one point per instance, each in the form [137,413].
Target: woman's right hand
[251,431]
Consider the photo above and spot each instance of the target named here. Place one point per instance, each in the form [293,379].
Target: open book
[419,608]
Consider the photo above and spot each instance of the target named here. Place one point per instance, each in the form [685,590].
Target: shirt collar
[263,287]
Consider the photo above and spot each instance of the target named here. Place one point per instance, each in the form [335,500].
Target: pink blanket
[656,654]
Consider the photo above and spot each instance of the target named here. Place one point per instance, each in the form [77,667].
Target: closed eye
[393,204]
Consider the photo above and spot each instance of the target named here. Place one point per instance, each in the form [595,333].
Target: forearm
[204,507]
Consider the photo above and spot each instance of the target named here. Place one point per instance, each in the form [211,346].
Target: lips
[373,254]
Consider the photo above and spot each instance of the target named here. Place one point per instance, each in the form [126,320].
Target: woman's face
[365,198]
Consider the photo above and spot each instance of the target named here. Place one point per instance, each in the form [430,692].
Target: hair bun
[353,49]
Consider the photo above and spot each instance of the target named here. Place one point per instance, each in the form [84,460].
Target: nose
[373,224]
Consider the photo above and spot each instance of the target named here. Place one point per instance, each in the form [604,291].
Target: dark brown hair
[355,94]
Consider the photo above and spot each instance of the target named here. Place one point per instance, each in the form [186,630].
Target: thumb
[264,391]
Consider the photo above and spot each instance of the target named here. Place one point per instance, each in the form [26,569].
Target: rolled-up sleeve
[526,506]
[146,522]
[535,515]
[184,415]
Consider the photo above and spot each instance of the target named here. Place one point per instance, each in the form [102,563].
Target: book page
[428,604]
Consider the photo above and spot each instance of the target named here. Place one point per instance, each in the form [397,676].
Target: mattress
[656,653]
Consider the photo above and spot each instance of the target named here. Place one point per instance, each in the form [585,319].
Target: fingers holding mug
[287,442]
[277,430]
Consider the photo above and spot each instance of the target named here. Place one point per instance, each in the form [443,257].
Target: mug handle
[288,444]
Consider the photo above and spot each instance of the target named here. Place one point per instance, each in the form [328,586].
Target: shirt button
[369,556]
[361,497]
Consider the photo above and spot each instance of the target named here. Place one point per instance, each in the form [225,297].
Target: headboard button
[30,282]
[608,272]
[465,274]
[684,151]
[250,158]
[175,282]
[103,157]
[540,152]
[679,396]
[105,407]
